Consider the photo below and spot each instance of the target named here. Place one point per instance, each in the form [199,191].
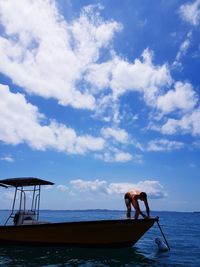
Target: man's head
[143,196]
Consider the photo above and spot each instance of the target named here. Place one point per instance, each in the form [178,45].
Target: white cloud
[21,122]
[182,51]
[153,188]
[116,155]
[122,77]
[183,98]
[62,187]
[51,57]
[190,12]
[170,127]
[120,188]
[120,135]
[183,102]
[184,47]
[92,186]
[48,187]
[99,75]
[48,56]
[164,145]
[108,109]
[7,158]
[189,123]
[140,76]
[122,157]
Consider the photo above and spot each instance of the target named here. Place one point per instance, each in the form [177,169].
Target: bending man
[132,198]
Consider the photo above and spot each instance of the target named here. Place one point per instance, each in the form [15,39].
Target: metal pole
[24,201]
[163,235]
[33,198]
[39,203]
[13,207]
[20,203]
[14,199]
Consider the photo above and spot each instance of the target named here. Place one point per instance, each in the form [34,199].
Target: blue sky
[101,97]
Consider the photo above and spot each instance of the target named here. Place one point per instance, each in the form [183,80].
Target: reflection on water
[43,256]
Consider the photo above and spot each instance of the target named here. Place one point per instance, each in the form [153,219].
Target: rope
[163,235]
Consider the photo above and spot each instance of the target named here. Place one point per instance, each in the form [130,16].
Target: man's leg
[136,215]
[128,206]
[137,209]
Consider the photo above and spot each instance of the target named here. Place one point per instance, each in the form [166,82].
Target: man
[132,198]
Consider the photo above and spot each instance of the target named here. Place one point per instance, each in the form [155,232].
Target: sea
[181,230]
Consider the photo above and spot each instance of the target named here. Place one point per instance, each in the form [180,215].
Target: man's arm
[143,215]
[138,210]
[147,207]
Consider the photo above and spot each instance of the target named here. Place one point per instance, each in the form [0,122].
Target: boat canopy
[25,181]
[23,214]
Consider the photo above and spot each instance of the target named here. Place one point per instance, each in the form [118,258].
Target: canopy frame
[35,202]
[23,187]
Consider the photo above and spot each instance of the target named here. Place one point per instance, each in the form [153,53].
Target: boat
[23,227]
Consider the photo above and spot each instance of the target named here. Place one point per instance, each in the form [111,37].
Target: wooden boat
[26,228]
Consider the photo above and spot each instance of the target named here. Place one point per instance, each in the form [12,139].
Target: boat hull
[103,233]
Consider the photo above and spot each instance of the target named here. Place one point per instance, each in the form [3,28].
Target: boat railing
[23,188]
[23,214]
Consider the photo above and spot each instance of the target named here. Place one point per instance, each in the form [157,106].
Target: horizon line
[113,210]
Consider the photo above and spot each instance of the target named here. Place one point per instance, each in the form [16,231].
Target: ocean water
[182,231]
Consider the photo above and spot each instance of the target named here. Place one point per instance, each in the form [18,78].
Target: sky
[101,97]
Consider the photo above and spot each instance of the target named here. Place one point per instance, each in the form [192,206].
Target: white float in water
[161,244]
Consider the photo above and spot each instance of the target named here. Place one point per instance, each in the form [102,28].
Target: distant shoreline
[106,210]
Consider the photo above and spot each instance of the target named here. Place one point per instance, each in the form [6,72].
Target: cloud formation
[48,56]
[122,76]
[189,123]
[7,158]
[164,145]
[190,12]
[153,188]
[183,49]
[53,57]
[115,155]
[182,98]
[120,135]
[21,122]
[62,187]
